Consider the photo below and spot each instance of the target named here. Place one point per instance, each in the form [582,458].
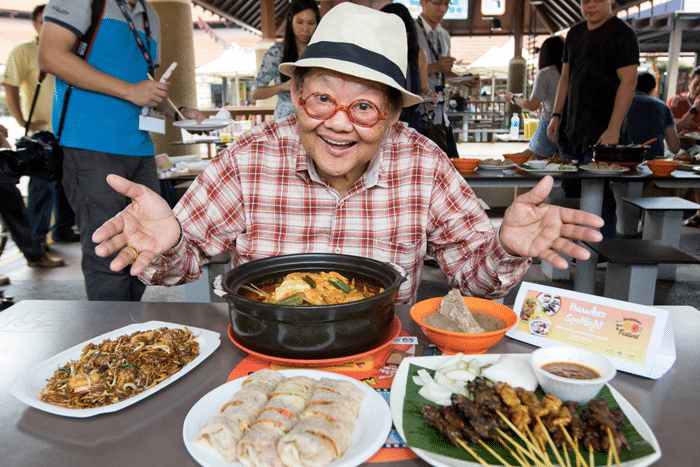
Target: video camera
[37,155]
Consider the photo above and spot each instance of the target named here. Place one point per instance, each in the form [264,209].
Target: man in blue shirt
[649,117]
[101,133]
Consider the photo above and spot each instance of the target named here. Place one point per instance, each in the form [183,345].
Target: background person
[598,79]
[434,40]
[648,118]
[684,107]
[369,186]
[417,76]
[101,134]
[302,18]
[544,91]
[14,215]
[44,199]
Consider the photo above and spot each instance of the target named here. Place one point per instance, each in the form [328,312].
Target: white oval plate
[208,124]
[570,168]
[604,172]
[398,393]
[371,427]
[27,387]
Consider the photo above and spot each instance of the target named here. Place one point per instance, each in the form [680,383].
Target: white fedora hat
[361,42]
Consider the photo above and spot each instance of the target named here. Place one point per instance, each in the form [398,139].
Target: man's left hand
[533,229]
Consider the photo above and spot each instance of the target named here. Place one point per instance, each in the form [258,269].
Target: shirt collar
[374,175]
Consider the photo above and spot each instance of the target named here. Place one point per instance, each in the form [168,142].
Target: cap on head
[361,42]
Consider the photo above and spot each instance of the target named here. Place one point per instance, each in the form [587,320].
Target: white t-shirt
[545,89]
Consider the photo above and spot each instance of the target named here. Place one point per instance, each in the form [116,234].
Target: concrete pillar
[177,45]
[674,50]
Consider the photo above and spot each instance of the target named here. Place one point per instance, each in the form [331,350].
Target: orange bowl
[517,158]
[454,342]
[466,165]
[663,168]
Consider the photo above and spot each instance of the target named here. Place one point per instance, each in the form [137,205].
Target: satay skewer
[566,455]
[613,447]
[472,453]
[574,446]
[520,448]
[550,441]
[494,453]
[515,455]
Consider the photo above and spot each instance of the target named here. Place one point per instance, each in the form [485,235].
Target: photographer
[14,215]
[45,199]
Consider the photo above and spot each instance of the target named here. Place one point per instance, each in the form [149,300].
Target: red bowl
[663,168]
[465,165]
[455,342]
[517,158]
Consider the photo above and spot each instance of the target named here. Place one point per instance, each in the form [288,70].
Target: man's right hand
[444,65]
[553,129]
[147,226]
[148,93]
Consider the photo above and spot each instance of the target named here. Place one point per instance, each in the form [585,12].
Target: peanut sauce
[570,370]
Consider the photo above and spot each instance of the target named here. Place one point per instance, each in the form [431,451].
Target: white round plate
[604,172]
[208,124]
[496,167]
[371,427]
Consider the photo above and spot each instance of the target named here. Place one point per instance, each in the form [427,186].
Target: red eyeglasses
[361,112]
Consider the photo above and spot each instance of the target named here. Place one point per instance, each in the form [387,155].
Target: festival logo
[629,327]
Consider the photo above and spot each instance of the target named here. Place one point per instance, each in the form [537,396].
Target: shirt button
[337,250]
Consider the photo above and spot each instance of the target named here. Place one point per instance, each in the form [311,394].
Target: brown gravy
[486,321]
[571,370]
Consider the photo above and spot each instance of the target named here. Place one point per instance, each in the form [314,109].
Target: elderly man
[342,176]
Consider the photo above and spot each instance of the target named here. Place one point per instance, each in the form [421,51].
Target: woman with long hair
[417,76]
[544,91]
[302,18]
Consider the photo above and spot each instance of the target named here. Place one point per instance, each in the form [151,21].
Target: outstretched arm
[145,229]
[531,228]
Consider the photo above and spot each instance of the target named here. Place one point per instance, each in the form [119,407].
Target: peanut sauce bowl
[318,331]
[568,388]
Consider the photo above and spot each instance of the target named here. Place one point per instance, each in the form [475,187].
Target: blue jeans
[572,189]
[44,199]
[540,144]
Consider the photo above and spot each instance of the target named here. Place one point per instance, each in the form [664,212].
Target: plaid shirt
[262,197]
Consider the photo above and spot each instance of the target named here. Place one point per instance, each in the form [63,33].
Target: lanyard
[436,55]
[147,29]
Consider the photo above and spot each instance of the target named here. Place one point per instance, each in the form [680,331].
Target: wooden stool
[633,266]
[662,221]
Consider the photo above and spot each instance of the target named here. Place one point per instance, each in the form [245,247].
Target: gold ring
[136,253]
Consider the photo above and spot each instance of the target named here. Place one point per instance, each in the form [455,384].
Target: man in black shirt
[598,79]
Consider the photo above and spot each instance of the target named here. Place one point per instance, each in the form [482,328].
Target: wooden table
[149,433]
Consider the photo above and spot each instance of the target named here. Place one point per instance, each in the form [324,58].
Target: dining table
[626,184]
[150,432]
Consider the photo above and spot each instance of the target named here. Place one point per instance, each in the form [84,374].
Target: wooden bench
[633,266]
[662,221]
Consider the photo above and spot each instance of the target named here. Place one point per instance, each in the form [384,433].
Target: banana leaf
[419,435]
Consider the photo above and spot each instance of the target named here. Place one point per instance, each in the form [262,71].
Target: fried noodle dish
[118,369]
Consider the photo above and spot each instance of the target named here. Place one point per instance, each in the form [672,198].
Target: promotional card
[637,338]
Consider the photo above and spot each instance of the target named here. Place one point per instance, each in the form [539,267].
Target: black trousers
[14,214]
